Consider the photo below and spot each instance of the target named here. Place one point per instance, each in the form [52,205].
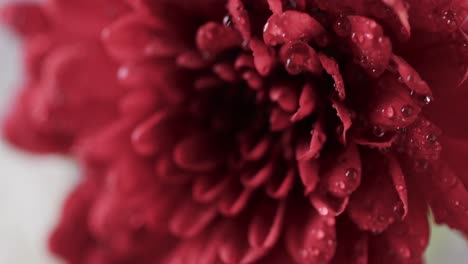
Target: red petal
[240,18]
[352,244]
[285,96]
[276,6]
[27,19]
[191,218]
[401,11]
[327,204]
[309,173]
[279,29]
[307,103]
[144,137]
[454,153]
[266,225]
[406,241]
[87,16]
[448,198]
[264,56]
[253,178]
[392,105]
[234,199]
[312,239]
[279,119]
[196,153]
[345,116]
[376,204]
[344,176]
[133,38]
[235,249]
[207,188]
[200,249]
[399,182]
[214,38]
[299,57]
[309,150]
[411,78]
[371,48]
[279,187]
[332,68]
[73,223]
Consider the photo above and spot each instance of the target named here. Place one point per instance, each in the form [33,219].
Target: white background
[32,188]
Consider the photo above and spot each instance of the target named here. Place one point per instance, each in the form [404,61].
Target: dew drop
[378,131]
[407,110]
[315,252]
[342,27]
[404,252]
[431,138]
[320,234]
[227,20]
[449,181]
[427,99]
[323,210]
[398,209]
[331,221]
[123,73]
[341,185]
[351,174]
[389,112]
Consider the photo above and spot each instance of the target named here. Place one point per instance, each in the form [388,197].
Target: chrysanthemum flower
[250,131]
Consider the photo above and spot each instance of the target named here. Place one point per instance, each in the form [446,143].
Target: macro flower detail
[266,131]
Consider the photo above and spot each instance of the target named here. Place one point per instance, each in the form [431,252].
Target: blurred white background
[32,188]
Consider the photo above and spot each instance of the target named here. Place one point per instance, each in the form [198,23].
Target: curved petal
[371,48]
[312,239]
[191,218]
[376,204]
[278,31]
[266,225]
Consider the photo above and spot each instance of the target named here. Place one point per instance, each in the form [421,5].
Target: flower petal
[371,48]
[214,38]
[309,173]
[309,150]
[264,56]
[27,19]
[266,225]
[332,68]
[191,218]
[312,239]
[345,116]
[344,175]
[278,29]
[376,204]
[307,102]
[299,57]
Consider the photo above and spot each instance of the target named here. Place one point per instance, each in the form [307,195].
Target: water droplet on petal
[407,110]
[227,20]
[342,27]
[323,210]
[427,99]
[351,174]
[378,131]
[404,252]
[320,234]
[431,138]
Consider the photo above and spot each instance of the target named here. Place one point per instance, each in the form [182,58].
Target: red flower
[266,131]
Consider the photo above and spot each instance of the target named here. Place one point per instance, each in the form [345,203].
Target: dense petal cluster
[249,131]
